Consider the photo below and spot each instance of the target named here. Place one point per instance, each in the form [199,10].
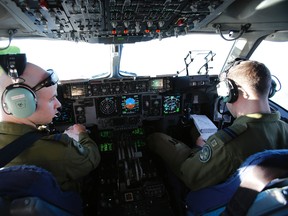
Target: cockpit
[130,68]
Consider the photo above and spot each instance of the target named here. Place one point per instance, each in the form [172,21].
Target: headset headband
[52,79]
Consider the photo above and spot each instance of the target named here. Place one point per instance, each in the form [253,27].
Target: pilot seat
[258,187]
[28,190]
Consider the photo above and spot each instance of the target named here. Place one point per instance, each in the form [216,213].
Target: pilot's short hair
[253,73]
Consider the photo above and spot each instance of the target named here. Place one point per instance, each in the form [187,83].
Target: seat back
[4,206]
[215,197]
[27,188]
[272,202]
[34,206]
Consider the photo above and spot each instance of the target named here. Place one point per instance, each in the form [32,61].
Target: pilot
[247,85]
[29,100]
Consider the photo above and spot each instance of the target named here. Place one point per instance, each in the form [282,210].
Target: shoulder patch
[205,153]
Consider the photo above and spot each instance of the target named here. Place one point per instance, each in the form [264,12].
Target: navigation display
[171,104]
[130,104]
[106,106]
[156,84]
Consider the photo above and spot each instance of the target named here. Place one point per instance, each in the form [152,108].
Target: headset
[273,87]
[228,90]
[19,99]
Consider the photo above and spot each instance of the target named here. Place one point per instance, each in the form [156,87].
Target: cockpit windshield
[192,54]
[176,56]
[70,60]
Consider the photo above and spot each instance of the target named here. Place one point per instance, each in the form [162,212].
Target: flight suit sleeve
[196,167]
[84,157]
[215,163]
[172,151]
[79,158]
[88,143]
[207,167]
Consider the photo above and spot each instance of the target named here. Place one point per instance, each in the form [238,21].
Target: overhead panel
[115,21]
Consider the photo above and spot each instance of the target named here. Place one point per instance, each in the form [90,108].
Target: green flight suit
[223,152]
[65,158]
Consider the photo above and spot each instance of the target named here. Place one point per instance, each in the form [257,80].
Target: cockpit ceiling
[122,21]
[111,21]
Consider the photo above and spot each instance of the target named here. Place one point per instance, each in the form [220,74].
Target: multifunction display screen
[77,90]
[156,84]
[106,106]
[130,104]
[171,104]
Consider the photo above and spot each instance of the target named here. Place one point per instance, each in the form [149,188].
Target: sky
[73,60]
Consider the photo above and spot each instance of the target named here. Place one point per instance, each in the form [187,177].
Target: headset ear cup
[227,89]
[233,92]
[19,101]
[233,95]
[272,90]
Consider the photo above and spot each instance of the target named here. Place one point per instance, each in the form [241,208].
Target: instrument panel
[94,88]
[111,103]
[120,113]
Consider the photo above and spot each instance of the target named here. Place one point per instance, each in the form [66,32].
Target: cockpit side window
[273,54]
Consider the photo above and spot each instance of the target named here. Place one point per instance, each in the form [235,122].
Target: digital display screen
[138,131]
[130,104]
[106,134]
[106,106]
[156,84]
[77,91]
[106,147]
[171,104]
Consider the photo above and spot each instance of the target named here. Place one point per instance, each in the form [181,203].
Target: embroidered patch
[205,154]
[214,143]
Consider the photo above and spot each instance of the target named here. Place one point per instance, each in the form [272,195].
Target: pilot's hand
[200,141]
[75,130]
